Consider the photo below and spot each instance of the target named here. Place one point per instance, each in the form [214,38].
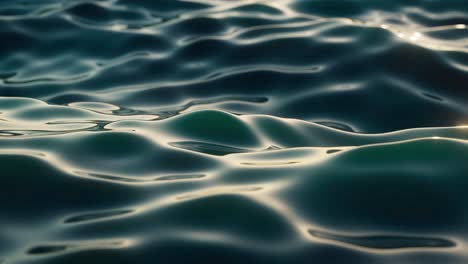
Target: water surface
[216,131]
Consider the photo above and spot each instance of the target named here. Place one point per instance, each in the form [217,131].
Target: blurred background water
[222,131]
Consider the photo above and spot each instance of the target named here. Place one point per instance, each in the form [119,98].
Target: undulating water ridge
[220,131]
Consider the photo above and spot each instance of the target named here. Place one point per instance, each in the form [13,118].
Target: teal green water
[216,131]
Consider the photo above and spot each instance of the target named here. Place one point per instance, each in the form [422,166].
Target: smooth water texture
[222,131]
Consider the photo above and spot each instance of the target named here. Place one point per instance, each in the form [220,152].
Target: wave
[216,178]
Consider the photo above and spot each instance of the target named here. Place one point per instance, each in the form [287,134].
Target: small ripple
[179,177]
[267,164]
[47,249]
[385,242]
[73,247]
[5,76]
[173,111]
[336,125]
[47,80]
[145,180]
[98,216]
[433,97]
[331,151]
[208,148]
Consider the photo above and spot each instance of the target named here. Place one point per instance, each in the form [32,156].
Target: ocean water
[224,131]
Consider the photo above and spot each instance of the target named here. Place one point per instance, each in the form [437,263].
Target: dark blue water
[217,131]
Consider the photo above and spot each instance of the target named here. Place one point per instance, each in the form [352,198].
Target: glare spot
[146,30]
[460,26]
[415,36]
[118,27]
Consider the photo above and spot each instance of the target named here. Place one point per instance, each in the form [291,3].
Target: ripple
[207,148]
[385,242]
[54,249]
[97,216]
[146,180]
[47,249]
